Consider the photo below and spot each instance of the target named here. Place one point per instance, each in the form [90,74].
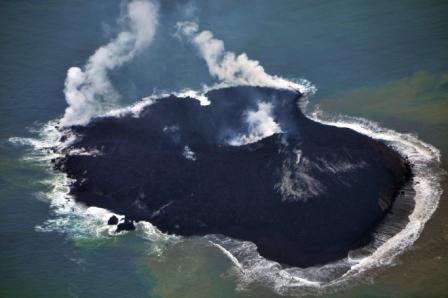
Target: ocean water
[384,61]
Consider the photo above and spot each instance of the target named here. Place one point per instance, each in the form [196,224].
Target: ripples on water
[337,46]
[394,235]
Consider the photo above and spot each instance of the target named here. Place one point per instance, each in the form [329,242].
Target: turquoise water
[346,49]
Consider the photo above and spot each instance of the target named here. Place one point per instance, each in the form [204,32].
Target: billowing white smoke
[261,125]
[88,90]
[226,66]
[238,70]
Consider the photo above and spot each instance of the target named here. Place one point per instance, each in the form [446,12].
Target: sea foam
[420,199]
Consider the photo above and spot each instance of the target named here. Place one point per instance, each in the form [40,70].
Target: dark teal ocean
[386,61]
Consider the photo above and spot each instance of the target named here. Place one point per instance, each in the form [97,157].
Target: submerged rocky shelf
[305,195]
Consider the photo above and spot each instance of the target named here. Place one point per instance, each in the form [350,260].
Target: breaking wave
[69,217]
[399,231]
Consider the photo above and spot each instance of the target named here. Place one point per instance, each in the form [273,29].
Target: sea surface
[386,61]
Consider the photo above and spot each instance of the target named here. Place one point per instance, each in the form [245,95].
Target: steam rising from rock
[88,90]
[261,125]
[229,68]
[238,70]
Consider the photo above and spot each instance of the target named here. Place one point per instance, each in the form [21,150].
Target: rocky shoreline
[305,195]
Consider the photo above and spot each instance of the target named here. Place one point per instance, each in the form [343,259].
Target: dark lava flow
[305,196]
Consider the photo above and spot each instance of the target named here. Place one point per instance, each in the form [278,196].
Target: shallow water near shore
[385,62]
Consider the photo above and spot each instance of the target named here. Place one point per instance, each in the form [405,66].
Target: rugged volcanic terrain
[305,195]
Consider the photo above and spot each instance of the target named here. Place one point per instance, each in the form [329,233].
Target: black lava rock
[305,195]
[113,220]
[126,225]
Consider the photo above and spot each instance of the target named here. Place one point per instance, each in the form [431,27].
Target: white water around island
[230,69]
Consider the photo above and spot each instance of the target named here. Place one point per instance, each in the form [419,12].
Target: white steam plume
[229,68]
[88,90]
[261,125]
